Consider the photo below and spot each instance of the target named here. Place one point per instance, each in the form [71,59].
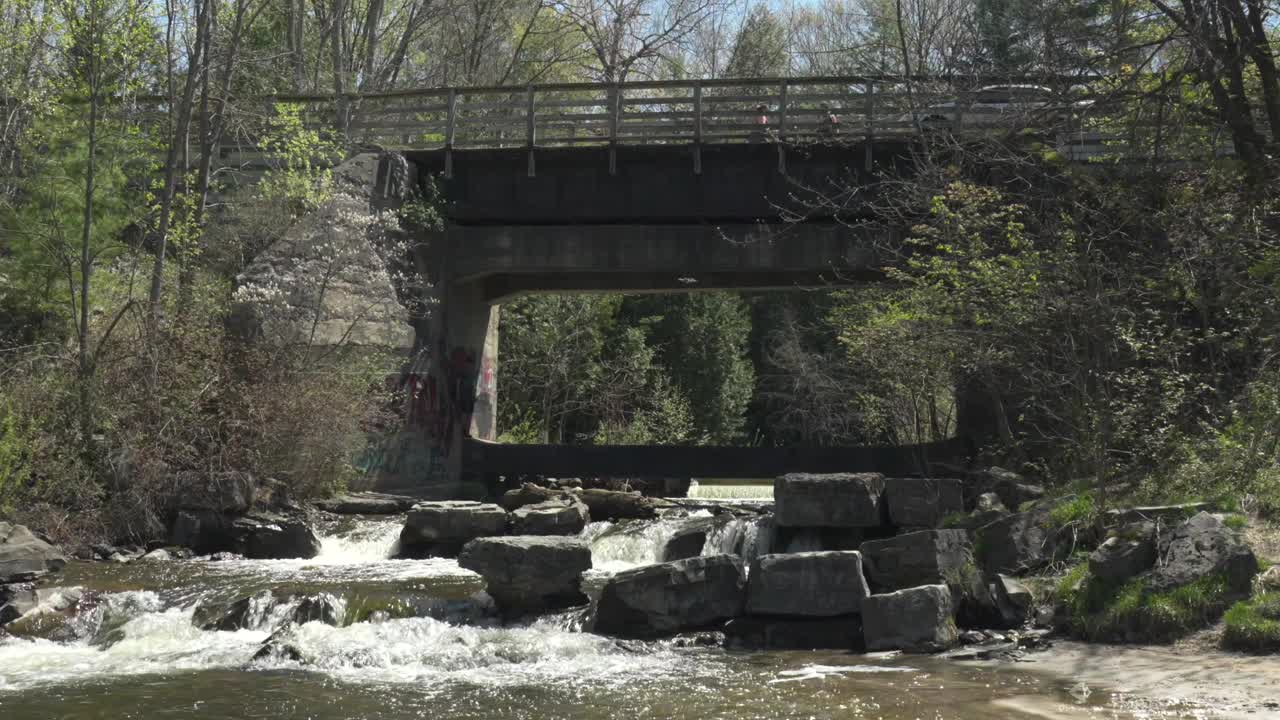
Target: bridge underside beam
[515,259]
[500,288]
[702,462]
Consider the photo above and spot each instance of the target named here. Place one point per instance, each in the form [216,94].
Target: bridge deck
[702,462]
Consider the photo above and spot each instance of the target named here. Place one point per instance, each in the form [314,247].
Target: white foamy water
[731,490]
[359,553]
[423,650]
[370,541]
[618,547]
[129,633]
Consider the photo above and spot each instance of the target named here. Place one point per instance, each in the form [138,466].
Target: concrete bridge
[646,187]
[641,221]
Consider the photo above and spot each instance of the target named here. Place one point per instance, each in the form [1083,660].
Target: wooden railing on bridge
[696,113]
[693,112]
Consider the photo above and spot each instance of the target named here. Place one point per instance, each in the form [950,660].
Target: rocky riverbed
[714,611]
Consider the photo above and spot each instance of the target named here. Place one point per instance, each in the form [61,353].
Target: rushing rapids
[418,638]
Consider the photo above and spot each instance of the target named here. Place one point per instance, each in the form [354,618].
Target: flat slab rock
[916,620]
[366,504]
[442,527]
[558,516]
[845,500]
[810,584]
[667,598]
[530,573]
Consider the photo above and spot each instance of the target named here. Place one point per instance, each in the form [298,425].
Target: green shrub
[1111,612]
[1254,625]
[1078,509]
[1235,521]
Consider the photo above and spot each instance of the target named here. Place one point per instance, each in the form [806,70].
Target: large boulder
[1129,551]
[17,600]
[916,619]
[777,633]
[656,600]
[922,502]
[1201,547]
[219,492]
[1019,543]
[559,516]
[269,536]
[23,556]
[204,531]
[925,557]
[529,573]
[441,528]
[816,584]
[836,500]
[47,613]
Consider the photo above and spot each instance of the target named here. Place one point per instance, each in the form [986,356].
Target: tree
[624,37]
[701,339]
[760,49]
[1226,41]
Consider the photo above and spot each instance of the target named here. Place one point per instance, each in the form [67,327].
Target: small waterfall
[620,546]
[746,537]
[623,545]
[369,541]
[736,490]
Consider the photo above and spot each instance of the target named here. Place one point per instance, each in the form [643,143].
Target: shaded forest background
[1116,321]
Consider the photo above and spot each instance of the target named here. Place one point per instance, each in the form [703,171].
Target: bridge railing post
[869,92]
[697,128]
[615,113]
[450,128]
[782,127]
[530,127]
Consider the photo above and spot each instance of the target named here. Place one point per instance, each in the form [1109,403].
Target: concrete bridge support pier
[450,384]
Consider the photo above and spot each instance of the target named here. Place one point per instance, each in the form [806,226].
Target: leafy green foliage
[1254,625]
[302,157]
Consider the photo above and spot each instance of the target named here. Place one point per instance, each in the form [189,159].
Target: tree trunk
[177,141]
[85,362]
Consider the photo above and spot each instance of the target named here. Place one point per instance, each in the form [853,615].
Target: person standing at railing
[761,132]
[829,130]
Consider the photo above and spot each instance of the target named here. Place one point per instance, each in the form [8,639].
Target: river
[417,640]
